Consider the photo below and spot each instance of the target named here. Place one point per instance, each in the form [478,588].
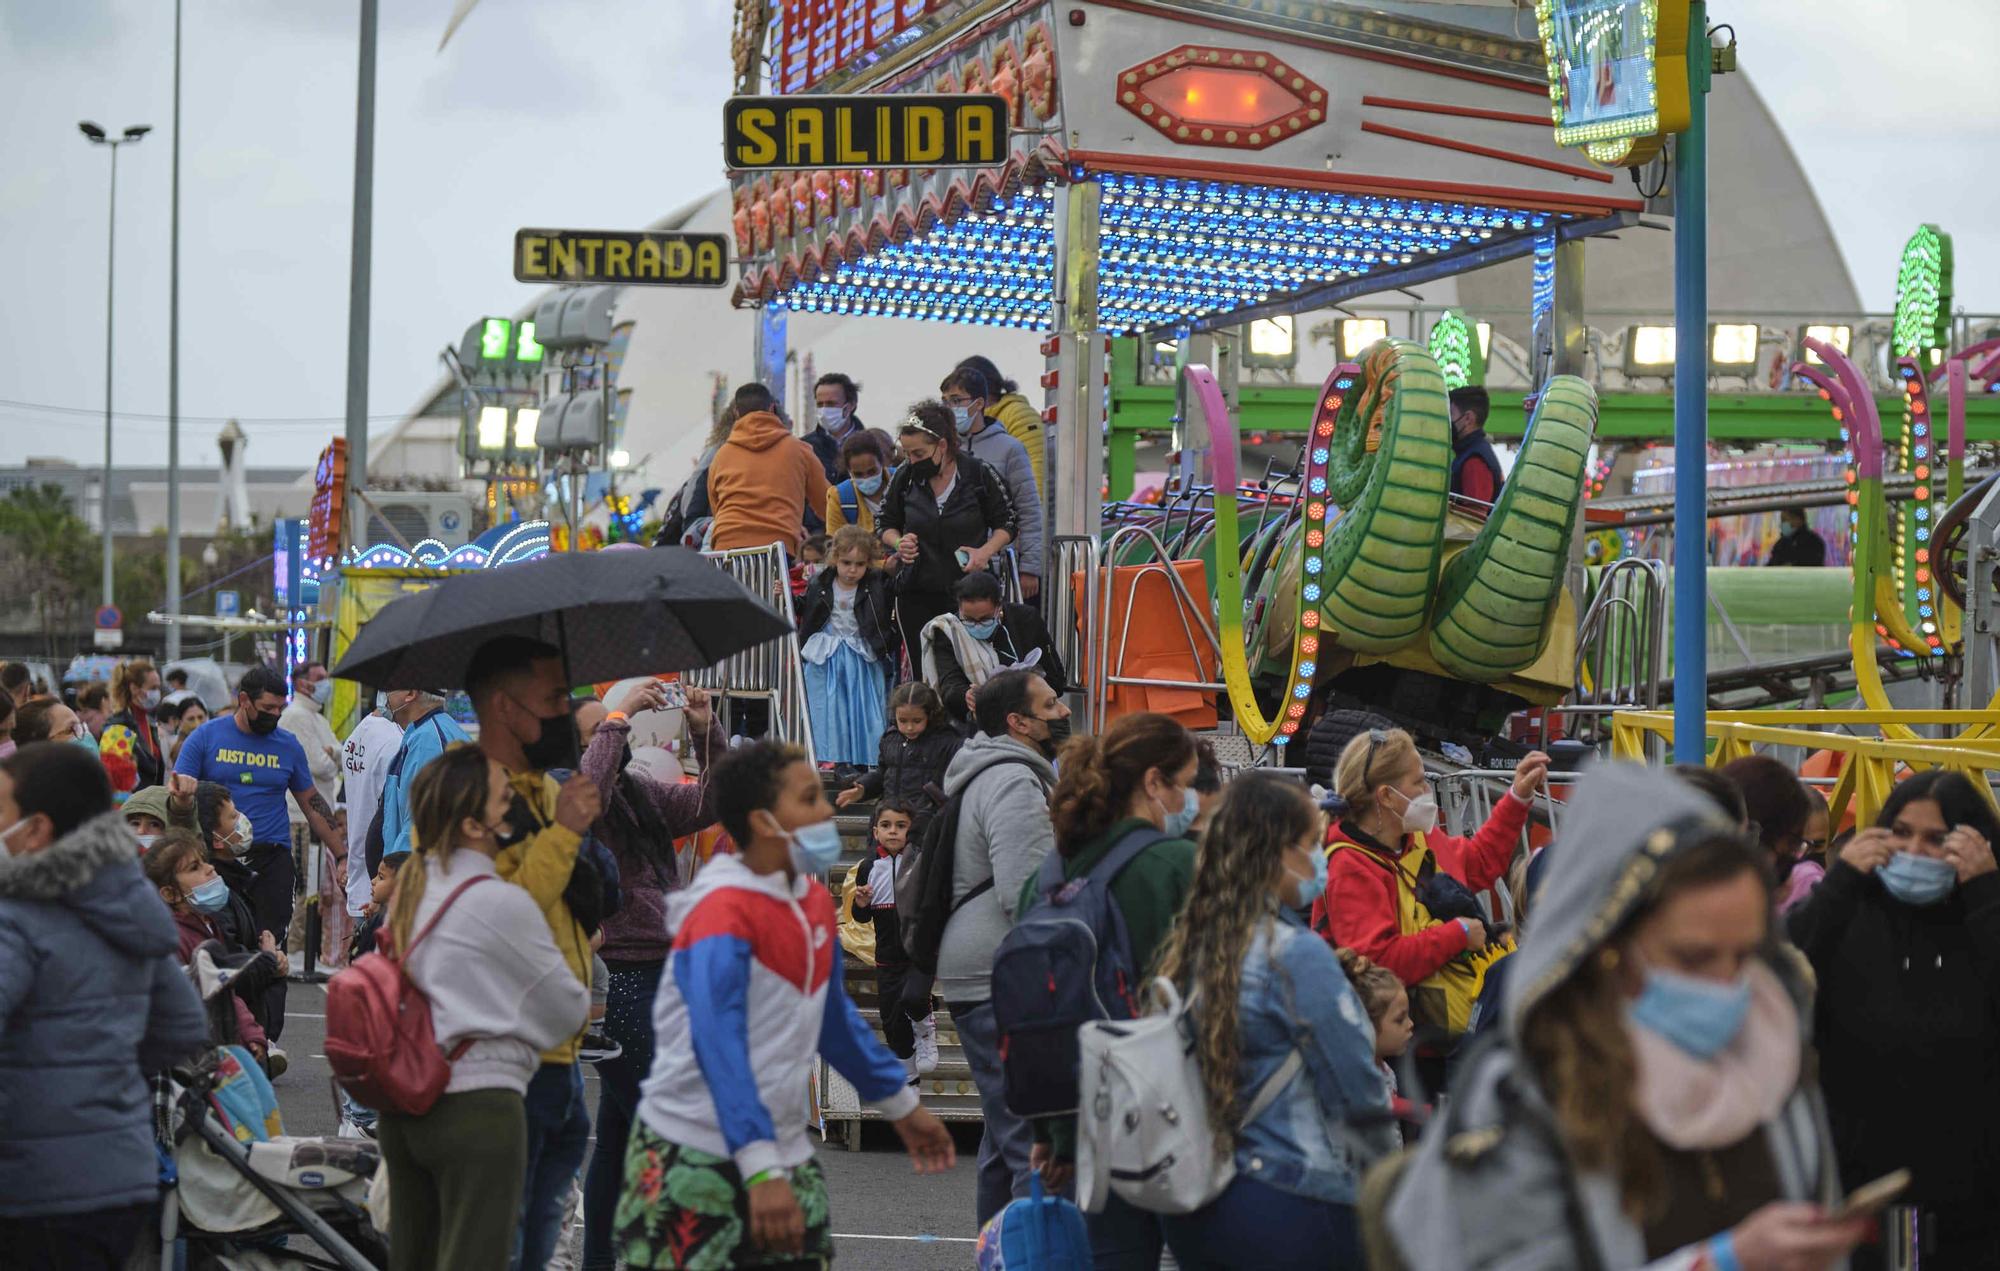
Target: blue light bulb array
[1170,250]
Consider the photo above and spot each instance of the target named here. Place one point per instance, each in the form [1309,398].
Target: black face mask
[556,747]
[519,823]
[923,469]
[263,725]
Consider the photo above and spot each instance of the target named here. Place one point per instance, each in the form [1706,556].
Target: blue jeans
[628,1020]
[360,1114]
[1255,1225]
[1125,1238]
[558,1136]
[1007,1140]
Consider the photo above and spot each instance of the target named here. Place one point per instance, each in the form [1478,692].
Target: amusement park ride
[1178,169]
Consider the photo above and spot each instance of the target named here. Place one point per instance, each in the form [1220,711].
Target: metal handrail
[772,671]
[1103,678]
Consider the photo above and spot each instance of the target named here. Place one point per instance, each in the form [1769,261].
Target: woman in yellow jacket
[1012,411]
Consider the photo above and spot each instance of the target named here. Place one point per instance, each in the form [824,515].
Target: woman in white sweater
[500,993]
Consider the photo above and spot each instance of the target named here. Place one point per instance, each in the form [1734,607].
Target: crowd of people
[1673,1037]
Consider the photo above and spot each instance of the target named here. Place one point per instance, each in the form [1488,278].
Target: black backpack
[924,903]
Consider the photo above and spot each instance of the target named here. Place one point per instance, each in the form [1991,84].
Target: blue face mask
[1918,880]
[1699,1016]
[869,485]
[322,692]
[983,629]
[1178,823]
[1313,885]
[963,417]
[1787,529]
[815,848]
[85,740]
[211,897]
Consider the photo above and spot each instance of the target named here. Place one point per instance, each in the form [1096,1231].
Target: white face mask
[833,418]
[6,849]
[1420,815]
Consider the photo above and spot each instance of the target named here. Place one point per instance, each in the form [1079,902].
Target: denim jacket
[1295,996]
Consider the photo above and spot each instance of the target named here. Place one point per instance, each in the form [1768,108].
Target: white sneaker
[926,1056]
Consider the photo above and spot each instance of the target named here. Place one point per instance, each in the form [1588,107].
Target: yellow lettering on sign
[845,151]
[976,141]
[923,134]
[708,262]
[587,248]
[562,257]
[679,257]
[534,255]
[757,145]
[647,264]
[617,257]
[805,139]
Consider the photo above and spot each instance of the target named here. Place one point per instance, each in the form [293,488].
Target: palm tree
[49,557]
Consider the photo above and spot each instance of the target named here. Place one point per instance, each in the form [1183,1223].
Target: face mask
[1918,880]
[322,692]
[238,840]
[211,897]
[869,485]
[815,848]
[983,629]
[263,725]
[5,849]
[1787,530]
[519,823]
[1313,885]
[924,469]
[832,417]
[146,842]
[149,700]
[1420,815]
[86,741]
[555,748]
[1177,823]
[962,416]
[1699,1016]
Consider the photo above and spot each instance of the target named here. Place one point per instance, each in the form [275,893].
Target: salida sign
[864,131]
[634,258]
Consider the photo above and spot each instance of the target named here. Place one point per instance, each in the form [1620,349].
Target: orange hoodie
[760,484]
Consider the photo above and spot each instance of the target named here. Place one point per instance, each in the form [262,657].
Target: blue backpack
[1067,962]
[1035,1233]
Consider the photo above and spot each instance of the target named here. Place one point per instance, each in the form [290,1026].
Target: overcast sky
[606,114]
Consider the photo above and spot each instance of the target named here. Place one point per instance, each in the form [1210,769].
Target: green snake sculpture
[1375,488]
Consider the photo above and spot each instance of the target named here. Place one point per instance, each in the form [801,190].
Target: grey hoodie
[1003,834]
[998,449]
[1490,1184]
[92,1002]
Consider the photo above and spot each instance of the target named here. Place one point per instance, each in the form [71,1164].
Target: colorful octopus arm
[1495,597]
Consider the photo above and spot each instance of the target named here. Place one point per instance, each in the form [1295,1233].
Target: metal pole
[110,291]
[358,277]
[1691,406]
[174,369]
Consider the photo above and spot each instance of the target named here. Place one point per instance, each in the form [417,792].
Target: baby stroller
[237,1191]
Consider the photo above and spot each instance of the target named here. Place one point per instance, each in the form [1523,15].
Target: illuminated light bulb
[1320,455]
[1311,592]
[1923,472]
[1923,575]
[1297,710]
[1316,511]
[1302,691]
[1881,630]
[1309,645]
[1285,733]
[1313,564]
[1308,669]
[1309,619]
[1854,496]
[1314,538]
[1326,429]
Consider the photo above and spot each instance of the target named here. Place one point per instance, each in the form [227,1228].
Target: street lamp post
[98,137]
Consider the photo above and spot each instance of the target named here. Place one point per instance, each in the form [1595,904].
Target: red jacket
[196,928]
[1359,909]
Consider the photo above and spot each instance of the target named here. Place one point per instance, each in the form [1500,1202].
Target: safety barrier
[1104,666]
[770,672]
[1871,763]
[1070,557]
[1621,647]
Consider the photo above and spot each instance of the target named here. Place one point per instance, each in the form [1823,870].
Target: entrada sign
[864,131]
[634,258]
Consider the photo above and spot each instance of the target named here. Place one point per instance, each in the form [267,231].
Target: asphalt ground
[884,1216]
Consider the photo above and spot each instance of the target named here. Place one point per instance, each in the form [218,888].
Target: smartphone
[1870,1198]
[676,696]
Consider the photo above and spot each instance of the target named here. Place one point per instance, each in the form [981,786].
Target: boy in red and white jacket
[751,994]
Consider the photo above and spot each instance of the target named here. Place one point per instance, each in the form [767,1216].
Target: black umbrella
[614,614]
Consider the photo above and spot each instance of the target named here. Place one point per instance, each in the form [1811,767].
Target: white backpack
[1142,1127]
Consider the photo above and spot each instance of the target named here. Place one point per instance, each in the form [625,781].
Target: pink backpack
[379,1040]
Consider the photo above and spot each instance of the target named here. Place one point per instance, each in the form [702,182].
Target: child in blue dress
[851,651]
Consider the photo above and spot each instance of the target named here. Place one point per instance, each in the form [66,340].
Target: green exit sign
[493,339]
[525,348]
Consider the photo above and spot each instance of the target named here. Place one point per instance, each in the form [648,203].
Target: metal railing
[1068,557]
[1102,676]
[771,672]
[1621,648]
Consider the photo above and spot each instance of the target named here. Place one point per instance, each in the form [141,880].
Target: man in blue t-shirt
[259,763]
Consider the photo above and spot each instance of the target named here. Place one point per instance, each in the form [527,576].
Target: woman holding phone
[945,515]
[1904,935]
[1649,1101]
